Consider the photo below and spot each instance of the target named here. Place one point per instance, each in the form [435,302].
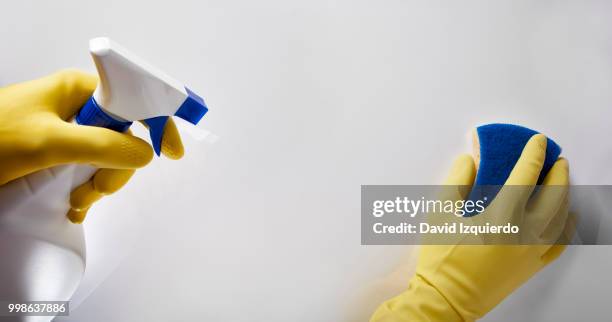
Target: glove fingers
[556,250]
[83,196]
[460,179]
[103,148]
[558,174]
[108,181]
[103,182]
[77,216]
[527,169]
[553,253]
[513,196]
[456,187]
[172,145]
[552,232]
[569,230]
[463,171]
[548,208]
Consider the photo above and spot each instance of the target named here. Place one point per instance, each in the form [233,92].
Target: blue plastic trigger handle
[91,114]
[191,110]
[156,130]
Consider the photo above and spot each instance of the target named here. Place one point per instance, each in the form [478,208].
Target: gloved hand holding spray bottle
[43,250]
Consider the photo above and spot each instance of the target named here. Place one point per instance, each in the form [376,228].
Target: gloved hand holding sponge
[36,133]
[464,281]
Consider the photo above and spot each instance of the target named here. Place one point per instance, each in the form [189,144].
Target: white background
[310,100]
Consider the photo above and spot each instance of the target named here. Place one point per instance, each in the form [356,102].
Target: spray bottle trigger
[156,130]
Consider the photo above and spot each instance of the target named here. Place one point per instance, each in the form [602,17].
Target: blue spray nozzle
[193,108]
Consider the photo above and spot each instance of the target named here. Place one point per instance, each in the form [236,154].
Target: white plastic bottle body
[42,254]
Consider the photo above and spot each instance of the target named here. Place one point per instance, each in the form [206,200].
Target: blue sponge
[501,146]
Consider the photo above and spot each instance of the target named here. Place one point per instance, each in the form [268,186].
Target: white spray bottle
[42,254]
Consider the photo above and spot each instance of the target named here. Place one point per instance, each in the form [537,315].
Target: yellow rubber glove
[464,282]
[36,133]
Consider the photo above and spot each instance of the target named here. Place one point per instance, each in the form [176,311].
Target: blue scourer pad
[501,146]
